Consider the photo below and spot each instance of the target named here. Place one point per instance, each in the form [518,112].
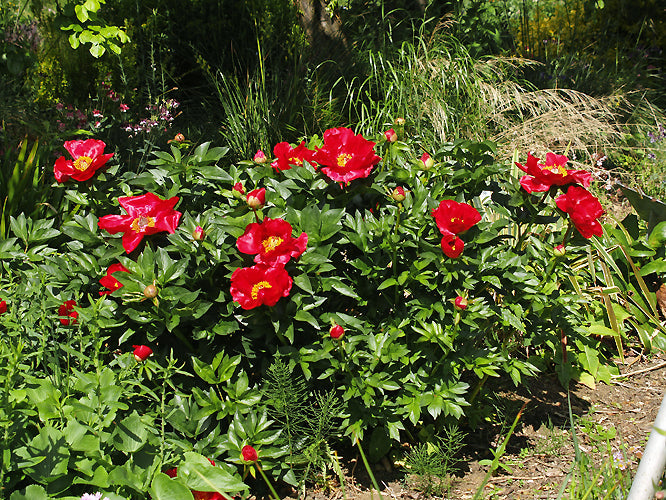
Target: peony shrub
[402,282]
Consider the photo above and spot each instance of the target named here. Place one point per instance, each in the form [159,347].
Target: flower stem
[367,468]
[270,486]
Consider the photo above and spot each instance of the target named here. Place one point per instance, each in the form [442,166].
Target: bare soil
[612,426]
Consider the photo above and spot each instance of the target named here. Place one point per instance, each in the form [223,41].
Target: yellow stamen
[343,158]
[558,169]
[271,243]
[259,286]
[142,222]
[82,163]
[296,161]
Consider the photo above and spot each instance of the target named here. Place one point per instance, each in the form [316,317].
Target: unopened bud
[427,160]
[256,198]
[559,251]
[391,135]
[260,157]
[150,292]
[398,194]
[460,303]
[336,332]
[198,234]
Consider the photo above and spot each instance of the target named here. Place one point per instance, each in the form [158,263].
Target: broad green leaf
[165,488]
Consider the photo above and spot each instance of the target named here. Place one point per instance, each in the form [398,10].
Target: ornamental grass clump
[399,286]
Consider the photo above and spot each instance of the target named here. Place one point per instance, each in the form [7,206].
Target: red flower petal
[584,210]
[345,156]
[452,246]
[146,214]
[454,217]
[260,285]
[272,242]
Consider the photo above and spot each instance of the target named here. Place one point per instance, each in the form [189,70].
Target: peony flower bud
[150,292]
[336,332]
[398,194]
[559,251]
[391,135]
[399,121]
[198,234]
[238,190]
[141,352]
[460,303]
[260,157]
[256,198]
[427,160]
[249,455]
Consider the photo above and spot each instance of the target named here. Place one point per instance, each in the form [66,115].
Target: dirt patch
[612,426]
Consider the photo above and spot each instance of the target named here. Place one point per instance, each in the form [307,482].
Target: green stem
[270,486]
[367,468]
[394,258]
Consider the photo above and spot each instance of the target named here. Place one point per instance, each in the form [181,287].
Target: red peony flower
[345,156]
[109,281]
[146,214]
[584,210]
[142,352]
[249,454]
[260,285]
[272,242]
[286,156]
[260,157]
[67,313]
[460,303]
[88,156]
[454,217]
[391,135]
[554,173]
[336,332]
[256,198]
[452,245]
[3,307]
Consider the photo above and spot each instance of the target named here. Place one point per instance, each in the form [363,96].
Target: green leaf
[302,315]
[165,488]
[130,433]
[97,50]
[657,237]
[206,477]
[32,492]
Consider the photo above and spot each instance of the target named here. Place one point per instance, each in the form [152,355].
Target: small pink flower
[123,107]
[97,113]
[260,157]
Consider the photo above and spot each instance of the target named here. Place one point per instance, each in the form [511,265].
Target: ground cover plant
[149,324]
